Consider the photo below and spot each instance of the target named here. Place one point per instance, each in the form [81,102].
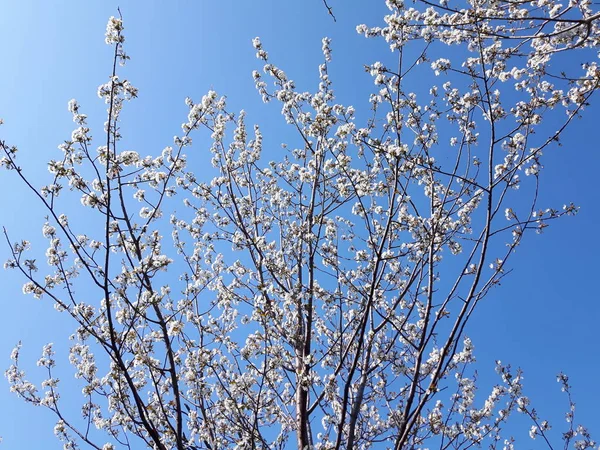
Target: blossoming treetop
[319,300]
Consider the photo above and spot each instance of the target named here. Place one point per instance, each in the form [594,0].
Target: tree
[321,299]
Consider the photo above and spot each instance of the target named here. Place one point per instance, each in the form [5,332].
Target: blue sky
[544,316]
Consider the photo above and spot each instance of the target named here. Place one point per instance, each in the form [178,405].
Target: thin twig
[329,10]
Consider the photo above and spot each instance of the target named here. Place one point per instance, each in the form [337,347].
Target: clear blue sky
[543,318]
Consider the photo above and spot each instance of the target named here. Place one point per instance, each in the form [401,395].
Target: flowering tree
[319,300]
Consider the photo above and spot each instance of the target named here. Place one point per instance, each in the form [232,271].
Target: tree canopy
[317,296]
